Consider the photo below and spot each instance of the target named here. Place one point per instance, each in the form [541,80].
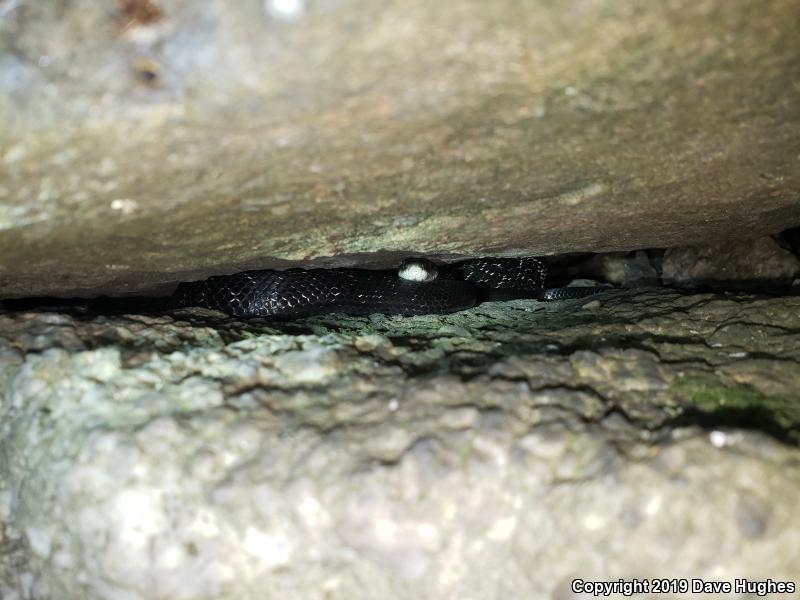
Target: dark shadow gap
[751,418]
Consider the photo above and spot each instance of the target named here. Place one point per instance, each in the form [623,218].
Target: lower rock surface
[496,452]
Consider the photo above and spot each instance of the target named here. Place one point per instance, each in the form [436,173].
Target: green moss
[710,394]
[741,404]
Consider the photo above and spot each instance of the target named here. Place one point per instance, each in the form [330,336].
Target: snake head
[418,269]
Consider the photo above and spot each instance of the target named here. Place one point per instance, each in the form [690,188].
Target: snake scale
[419,287]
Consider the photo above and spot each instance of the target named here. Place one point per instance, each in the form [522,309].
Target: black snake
[419,287]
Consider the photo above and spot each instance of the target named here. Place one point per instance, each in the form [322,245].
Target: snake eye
[417,269]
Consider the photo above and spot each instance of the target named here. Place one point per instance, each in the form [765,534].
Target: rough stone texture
[497,452]
[493,453]
[759,259]
[137,150]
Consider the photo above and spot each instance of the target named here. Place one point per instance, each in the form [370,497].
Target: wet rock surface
[177,142]
[502,450]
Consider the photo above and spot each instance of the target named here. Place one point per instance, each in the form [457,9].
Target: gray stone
[500,451]
[639,271]
[752,514]
[226,137]
[748,259]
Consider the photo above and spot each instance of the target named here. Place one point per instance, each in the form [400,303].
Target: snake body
[299,293]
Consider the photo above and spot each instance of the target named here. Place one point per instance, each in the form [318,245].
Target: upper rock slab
[167,141]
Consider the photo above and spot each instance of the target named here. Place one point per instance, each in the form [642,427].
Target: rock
[752,514]
[498,452]
[492,452]
[749,260]
[639,271]
[176,142]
